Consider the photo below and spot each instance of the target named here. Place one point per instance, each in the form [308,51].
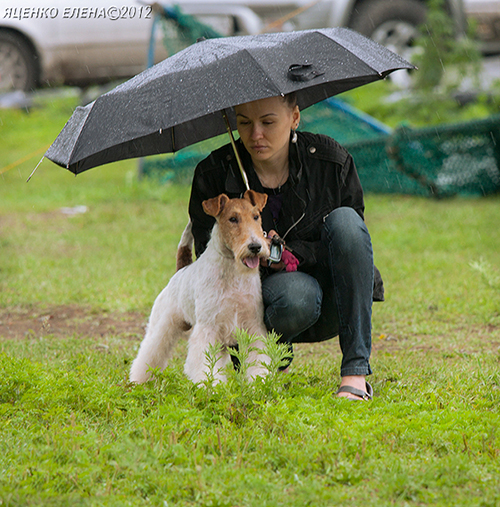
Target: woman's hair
[290,99]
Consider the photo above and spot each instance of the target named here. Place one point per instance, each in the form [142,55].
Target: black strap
[366,395]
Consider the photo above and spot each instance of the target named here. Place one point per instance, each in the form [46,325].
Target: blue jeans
[336,297]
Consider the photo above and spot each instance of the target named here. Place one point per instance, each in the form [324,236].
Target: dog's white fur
[210,298]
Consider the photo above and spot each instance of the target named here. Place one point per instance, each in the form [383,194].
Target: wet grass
[49,249]
[74,432]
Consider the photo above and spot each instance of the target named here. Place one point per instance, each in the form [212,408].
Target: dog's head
[240,226]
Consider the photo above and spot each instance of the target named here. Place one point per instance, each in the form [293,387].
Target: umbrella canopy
[180,101]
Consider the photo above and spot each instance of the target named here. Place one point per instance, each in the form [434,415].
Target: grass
[74,432]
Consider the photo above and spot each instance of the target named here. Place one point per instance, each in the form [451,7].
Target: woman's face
[264,127]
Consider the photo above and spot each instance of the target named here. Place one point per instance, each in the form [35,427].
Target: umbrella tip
[33,172]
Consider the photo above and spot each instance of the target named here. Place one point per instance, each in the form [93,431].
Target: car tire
[392,23]
[18,64]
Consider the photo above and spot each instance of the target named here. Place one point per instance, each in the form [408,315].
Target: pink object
[291,262]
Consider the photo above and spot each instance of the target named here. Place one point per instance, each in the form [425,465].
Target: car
[94,41]
[90,41]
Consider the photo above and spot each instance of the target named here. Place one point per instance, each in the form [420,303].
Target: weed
[487,272]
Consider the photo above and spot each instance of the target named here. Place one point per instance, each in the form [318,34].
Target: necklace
[276,188]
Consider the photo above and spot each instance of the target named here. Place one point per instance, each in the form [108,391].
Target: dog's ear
[256,199]
[214,206]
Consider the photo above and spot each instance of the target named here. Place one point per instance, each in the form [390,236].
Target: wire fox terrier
[210,298]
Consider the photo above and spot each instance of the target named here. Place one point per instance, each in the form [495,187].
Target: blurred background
[50,52]
[87,42]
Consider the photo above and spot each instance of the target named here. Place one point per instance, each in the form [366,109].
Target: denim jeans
[338,292]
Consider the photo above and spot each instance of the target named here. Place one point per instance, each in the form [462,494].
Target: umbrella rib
[68,164]
[353,54]
[260,67]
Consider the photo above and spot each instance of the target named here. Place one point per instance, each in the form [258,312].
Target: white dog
[210,298]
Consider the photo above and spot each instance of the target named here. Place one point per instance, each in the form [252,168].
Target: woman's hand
[288,260]
[276,266]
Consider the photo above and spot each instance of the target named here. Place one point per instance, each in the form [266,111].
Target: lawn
[75,293]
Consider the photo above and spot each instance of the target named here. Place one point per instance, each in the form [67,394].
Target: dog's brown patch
[184,257]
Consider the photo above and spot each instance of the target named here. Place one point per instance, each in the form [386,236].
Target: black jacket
[322,178]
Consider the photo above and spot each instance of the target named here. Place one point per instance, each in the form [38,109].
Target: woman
[315,204]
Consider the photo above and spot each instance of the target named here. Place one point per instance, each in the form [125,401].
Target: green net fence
[337,119]
[181,30]
[437,161]
[458,159]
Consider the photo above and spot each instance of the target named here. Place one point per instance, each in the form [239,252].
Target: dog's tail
[185,247]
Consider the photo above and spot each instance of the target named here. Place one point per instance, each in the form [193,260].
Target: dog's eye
[234,220]
[256,217]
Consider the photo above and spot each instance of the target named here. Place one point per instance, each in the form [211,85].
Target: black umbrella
[181,100]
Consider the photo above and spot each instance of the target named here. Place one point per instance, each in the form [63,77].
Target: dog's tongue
[251,262]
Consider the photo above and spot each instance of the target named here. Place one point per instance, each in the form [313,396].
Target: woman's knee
[292,303]
[345,229]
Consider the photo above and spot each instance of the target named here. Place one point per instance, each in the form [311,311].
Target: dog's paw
[257,371]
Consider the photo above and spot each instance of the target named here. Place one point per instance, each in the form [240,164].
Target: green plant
[489,274]
[442,52]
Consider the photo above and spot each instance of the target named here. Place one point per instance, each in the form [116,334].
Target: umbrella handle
[233,144]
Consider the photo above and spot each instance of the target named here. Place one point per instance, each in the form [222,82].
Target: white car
[88,41]
[82,43]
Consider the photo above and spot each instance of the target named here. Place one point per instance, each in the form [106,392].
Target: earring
[294,137]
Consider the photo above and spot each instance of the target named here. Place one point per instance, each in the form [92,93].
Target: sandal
[363,395]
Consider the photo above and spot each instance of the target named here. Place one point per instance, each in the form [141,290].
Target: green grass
[85,253]
[74,432]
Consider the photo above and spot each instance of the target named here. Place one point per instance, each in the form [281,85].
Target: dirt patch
[70,321]
[77,321]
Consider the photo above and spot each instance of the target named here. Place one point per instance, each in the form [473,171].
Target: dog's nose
[255,248]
